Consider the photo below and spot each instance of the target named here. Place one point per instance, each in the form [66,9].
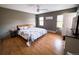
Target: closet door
[67,23]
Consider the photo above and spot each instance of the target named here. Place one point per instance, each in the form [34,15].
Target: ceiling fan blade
[44,9]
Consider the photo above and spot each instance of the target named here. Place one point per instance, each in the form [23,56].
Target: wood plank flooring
[49,44]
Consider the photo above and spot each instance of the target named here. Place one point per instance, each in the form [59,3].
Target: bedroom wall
[10,18]
[51,24]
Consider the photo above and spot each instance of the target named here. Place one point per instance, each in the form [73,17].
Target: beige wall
[10,18]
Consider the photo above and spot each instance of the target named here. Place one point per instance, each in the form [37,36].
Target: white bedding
[32,33]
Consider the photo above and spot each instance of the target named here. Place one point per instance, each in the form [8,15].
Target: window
[59,21]
[41,21]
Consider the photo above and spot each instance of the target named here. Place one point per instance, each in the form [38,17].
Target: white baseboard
[51,31]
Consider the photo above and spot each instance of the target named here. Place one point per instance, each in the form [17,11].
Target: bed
[31,33]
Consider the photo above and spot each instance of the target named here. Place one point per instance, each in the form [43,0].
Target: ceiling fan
[39,9]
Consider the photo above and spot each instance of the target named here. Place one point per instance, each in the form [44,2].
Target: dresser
[71,45]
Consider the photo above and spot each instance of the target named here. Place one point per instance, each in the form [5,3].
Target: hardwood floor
[49,44]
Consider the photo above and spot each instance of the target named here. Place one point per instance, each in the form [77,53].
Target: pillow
[25,27]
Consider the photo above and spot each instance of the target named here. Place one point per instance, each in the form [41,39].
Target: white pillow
[25,27]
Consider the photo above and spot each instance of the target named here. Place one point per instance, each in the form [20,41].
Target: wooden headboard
[22,25]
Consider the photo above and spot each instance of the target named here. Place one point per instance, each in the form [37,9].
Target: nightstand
[13,33]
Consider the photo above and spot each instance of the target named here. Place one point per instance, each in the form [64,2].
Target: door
[67,23]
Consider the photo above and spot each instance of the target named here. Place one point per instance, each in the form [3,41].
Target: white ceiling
[31,8]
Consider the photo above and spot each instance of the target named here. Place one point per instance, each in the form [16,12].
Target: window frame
[41,21]
[58,21]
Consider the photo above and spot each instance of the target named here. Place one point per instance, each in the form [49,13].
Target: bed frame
[28,43]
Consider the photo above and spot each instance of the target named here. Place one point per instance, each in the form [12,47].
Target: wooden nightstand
[13,33]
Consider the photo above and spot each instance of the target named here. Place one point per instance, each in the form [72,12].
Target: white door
[67,23]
